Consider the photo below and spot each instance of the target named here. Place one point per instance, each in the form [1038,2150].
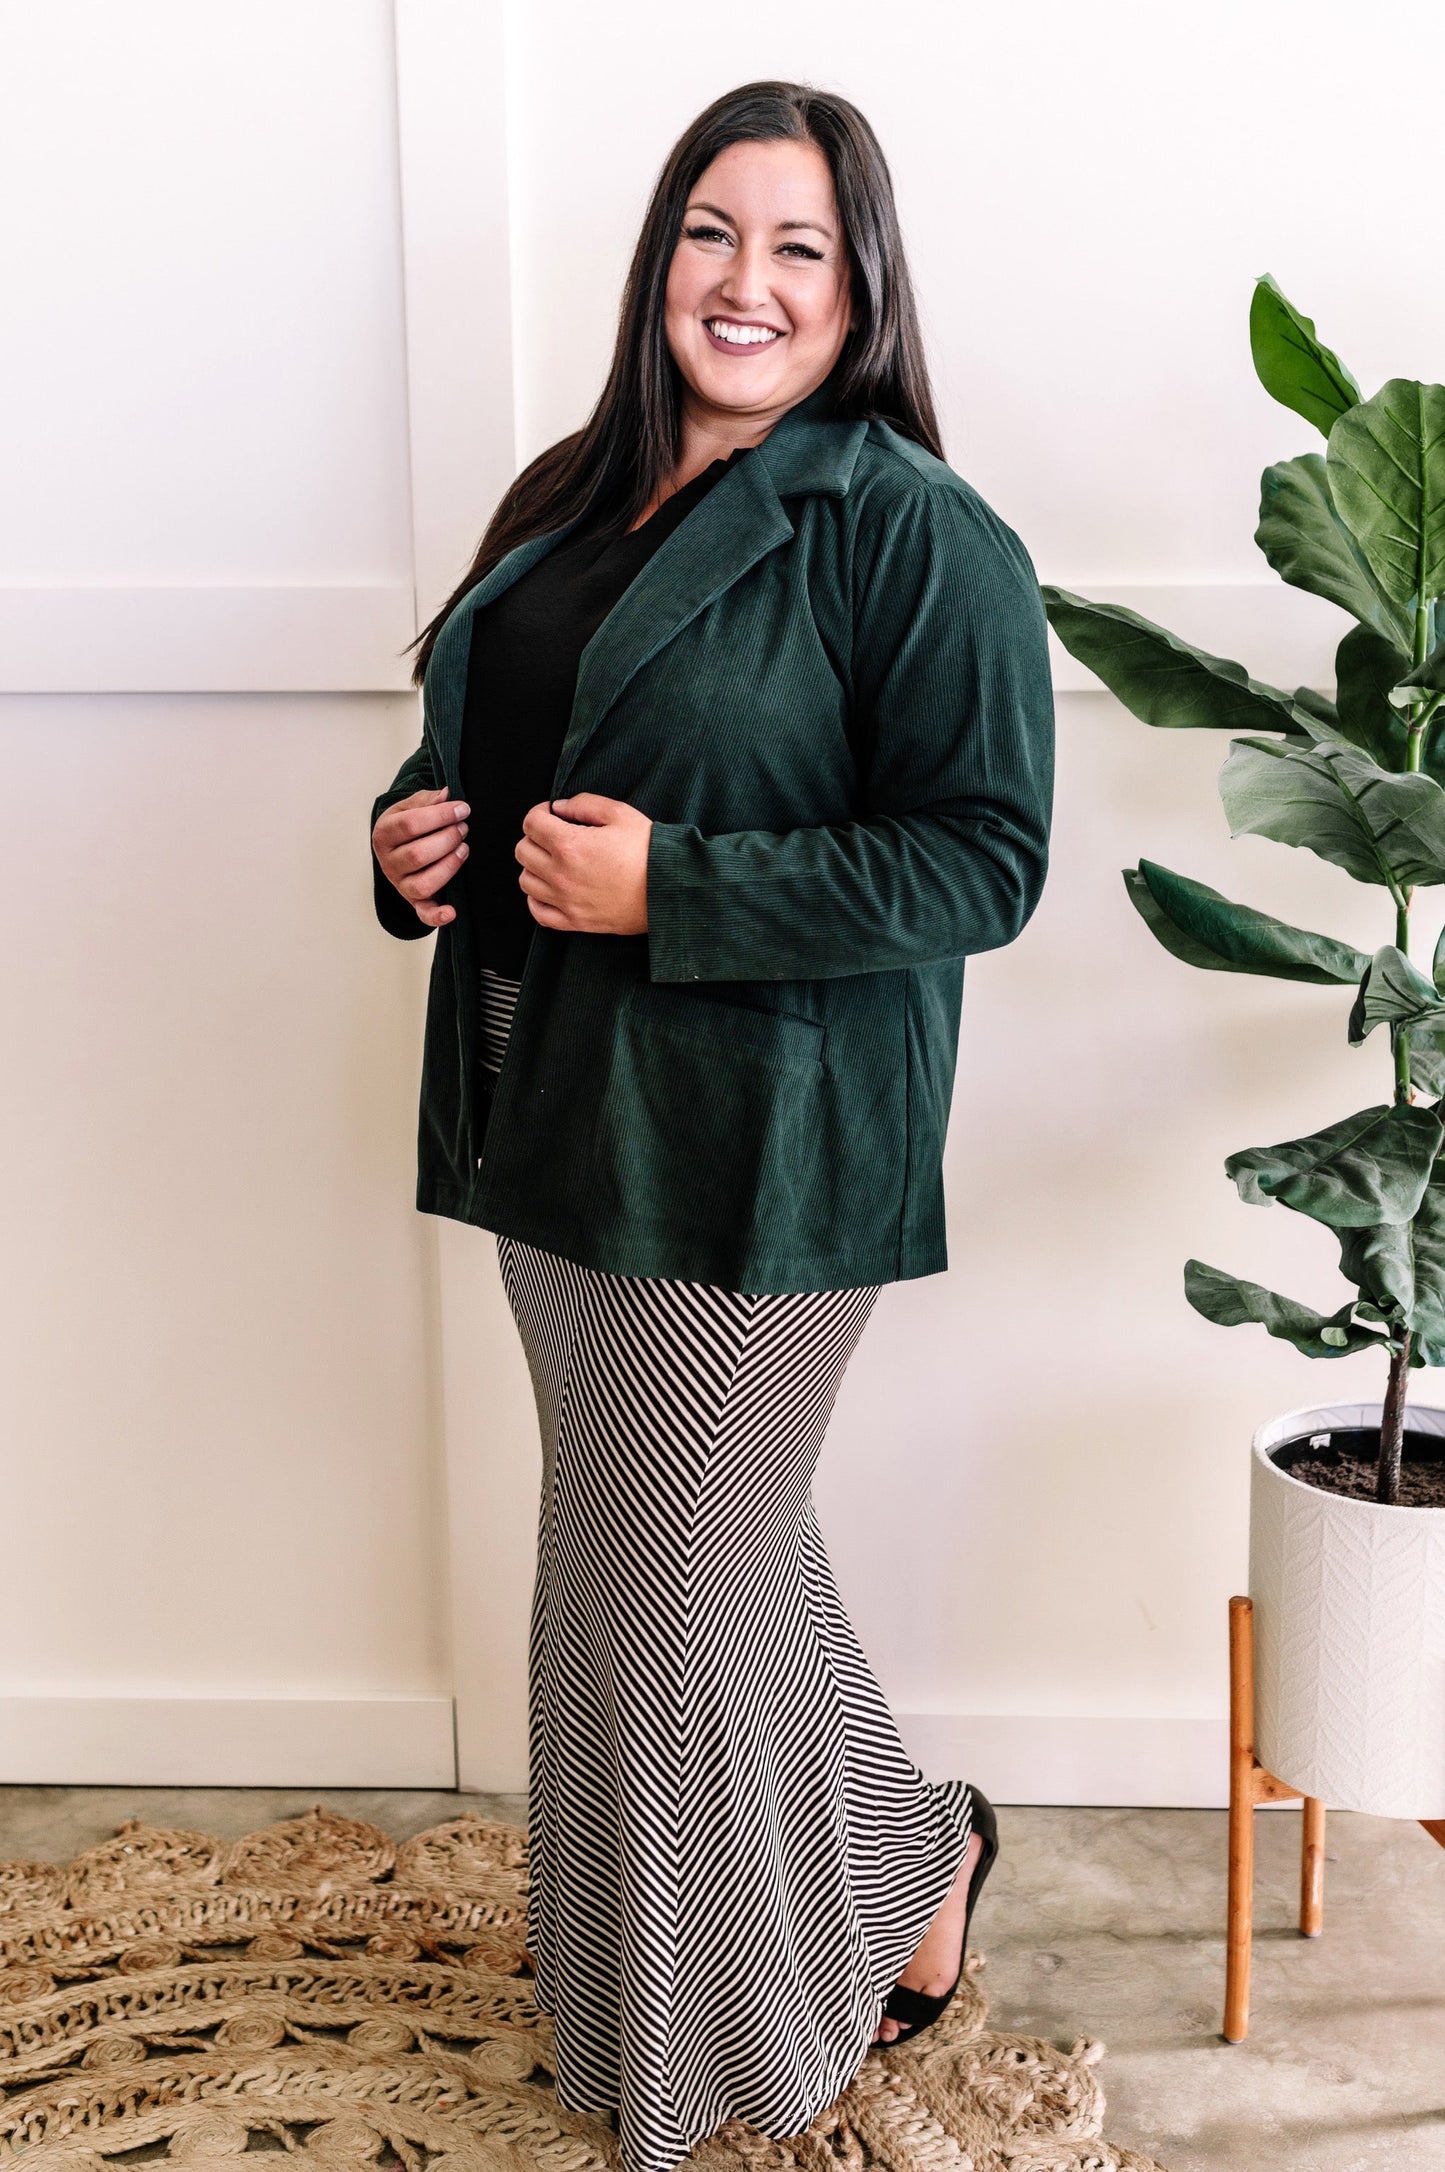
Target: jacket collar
[811,452]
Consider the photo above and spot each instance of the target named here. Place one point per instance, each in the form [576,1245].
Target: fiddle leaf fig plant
[1356,778]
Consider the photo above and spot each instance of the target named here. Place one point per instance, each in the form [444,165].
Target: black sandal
[915,2008]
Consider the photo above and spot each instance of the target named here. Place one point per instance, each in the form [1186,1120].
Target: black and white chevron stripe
[732,1857]
[499,1001]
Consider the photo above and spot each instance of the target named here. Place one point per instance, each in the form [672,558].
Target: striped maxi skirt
[732,1858]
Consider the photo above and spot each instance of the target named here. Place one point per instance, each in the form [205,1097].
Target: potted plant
[1347,1527]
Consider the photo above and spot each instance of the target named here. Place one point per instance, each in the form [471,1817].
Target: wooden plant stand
[1250,1785]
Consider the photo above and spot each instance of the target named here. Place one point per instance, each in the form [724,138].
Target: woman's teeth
[741,335]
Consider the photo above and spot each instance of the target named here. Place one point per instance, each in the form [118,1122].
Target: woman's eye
[706,233]
[800,248]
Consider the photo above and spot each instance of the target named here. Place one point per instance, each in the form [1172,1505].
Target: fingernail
[462,851]
[465,827]
[460,810]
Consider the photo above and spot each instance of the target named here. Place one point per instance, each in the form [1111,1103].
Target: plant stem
[1414,759]
[1399,1036]
[1415,756]
[1392,1416]
[1392,1427]
[1420,723]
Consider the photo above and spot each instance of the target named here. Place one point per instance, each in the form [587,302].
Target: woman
[754,691]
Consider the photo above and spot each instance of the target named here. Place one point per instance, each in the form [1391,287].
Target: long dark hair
[614,465]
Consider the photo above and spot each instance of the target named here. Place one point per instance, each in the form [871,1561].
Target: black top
[521,679]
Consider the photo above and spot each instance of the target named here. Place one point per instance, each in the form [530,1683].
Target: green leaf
[1308,545]
[1427,1041]
[1230,1302]
[1203,928]
[1392,993]
[1161,679]
[1319,716]
[1372,1167]
[1427,1062]
[1321,720]
[1331,800]
[1291,363]
[1386,464]
[1367,670]
[1430,674]
[1400,1266]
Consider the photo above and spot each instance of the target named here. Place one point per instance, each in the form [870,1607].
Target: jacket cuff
[673,897]
[392,909]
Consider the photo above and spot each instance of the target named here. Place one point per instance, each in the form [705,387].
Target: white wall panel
[1087,195]
[1035,1487]
[209,360]
[301,283]
[220,1472]
[226,1550]
[452,111]
[1036,1484]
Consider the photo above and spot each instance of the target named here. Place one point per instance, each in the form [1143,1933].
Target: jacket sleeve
[953,721]
[392,909]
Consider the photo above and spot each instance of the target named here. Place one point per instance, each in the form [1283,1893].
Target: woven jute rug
[319,1989]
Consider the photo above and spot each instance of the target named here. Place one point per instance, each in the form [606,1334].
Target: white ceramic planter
[1349,1631]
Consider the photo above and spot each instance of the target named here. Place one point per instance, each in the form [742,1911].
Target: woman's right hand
[420,844]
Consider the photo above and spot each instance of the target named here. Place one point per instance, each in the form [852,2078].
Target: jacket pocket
[710,1123]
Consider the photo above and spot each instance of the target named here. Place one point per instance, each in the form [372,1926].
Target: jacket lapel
[738,522]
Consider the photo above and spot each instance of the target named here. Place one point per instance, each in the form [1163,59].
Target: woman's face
[758,302]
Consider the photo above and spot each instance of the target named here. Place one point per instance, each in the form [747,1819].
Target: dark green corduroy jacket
[830,691]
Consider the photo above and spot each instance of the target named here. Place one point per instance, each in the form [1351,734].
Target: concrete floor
[1107,1923]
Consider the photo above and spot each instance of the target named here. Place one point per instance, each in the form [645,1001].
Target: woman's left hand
[587,872]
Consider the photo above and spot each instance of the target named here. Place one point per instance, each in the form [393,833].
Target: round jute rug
[319,1989]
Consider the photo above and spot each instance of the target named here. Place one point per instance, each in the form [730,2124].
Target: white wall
[297,302]
[220,1472]
[1035,1488]
[211,366]
[1087,194]
[225,1535]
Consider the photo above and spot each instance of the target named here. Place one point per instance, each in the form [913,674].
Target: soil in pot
[1345,1461]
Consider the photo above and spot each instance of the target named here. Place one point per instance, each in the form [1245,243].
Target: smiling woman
[737,743]
[759,276]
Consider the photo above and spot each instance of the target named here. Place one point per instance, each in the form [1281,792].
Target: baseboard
[1166,1763]
[1131,1763]
[227,1742]
[1173,1763]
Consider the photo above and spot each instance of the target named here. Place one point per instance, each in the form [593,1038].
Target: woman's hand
[420,844]
[589,871]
